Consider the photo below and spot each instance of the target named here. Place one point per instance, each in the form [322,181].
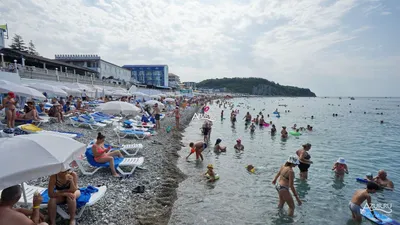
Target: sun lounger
[76,122]
[127,149]
[124,132]
[69,135]
[140,124]
[30,191]
[97,119]
[119,162]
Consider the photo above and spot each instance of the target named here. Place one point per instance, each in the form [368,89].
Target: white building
[106,69]
[173,80]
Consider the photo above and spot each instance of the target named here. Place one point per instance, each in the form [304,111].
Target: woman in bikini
[103,155]
[305,161]
[10,109]
[286,182]
[63,188]
[30,112]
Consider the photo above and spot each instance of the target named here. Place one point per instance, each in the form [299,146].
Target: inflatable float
[294,133]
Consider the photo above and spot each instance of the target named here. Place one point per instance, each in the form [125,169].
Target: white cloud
[386,13]
[281,40]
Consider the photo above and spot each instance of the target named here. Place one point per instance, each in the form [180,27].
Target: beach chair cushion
[92,162]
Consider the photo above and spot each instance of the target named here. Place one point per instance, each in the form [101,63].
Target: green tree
[18,43]
[32,49]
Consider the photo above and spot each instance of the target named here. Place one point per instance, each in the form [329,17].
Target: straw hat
[210,166]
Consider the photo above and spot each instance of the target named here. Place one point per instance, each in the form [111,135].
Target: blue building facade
[156,75]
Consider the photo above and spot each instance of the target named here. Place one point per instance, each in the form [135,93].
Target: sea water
[239,197]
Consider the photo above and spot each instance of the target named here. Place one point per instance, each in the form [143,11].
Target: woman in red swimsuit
[104,155]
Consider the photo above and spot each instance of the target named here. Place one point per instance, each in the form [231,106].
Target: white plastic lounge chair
[122,162]
[124,132]
[93,125]
[30,191]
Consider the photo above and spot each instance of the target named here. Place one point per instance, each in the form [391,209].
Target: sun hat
[11,94]
[210,166]
[341,161]
[293,160]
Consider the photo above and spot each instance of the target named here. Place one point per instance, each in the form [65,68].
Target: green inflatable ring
[294,133]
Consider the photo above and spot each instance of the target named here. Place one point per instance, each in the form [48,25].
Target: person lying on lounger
[104,155]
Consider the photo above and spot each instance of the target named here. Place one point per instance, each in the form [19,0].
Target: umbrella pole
[24,194]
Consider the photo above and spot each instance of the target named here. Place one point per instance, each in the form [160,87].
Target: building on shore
[3,35]
[150,75]
[106,70]
[191,85]
[173,81]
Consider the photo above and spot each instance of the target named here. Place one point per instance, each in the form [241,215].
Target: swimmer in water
[262,121]
[247,117]
[210,173]
[252,128]
[359,197]
[294,127]
[251,168]
[222,114]
[340,167]
[284,133]
[256,119]
[273,129]
[239,146]
[218,147]
[369,177]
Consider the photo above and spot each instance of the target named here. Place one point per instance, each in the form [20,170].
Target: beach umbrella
[51,89]
[153,102]
[71,91]
[155,96]
[121,93]
[7,86]
[118,107]
[28,157]
[169,100]
[162,95]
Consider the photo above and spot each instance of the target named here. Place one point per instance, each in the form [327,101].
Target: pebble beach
[159,174]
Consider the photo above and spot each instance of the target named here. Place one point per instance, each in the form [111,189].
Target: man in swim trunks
[359,197]
[382,180]
[197,148]
[156,113]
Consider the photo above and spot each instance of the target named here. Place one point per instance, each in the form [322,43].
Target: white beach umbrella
[155,96]
[169,100]
[121,93]
[153,102]
[118,107]
[137,93]
[71,91]
[7,86]
[162,95]
[51,89]
[28,157]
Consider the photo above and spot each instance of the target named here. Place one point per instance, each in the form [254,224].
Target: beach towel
[84,198]
[90,159]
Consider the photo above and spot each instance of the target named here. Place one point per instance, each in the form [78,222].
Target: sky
[333,47]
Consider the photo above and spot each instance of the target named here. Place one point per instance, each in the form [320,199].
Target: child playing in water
[218,147]
[252,127]
[369,177]
[359,197]
[340,167]
[210,173]
[251,168]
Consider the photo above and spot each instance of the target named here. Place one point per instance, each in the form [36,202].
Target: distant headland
[255,86]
